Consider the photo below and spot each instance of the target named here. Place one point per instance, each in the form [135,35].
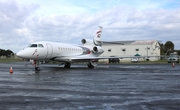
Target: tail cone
[11,70]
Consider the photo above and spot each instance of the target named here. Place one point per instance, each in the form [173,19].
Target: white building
[133,48]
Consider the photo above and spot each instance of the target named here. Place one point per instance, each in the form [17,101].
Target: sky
[25,21]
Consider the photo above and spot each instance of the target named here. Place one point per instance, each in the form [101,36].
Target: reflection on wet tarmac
[107,87]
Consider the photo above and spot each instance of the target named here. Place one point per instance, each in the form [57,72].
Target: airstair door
[49,51]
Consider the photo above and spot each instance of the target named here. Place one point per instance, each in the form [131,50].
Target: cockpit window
[33,45]
[36,45]
[40,45]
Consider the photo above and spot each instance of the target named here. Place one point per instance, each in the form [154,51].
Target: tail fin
[97,37]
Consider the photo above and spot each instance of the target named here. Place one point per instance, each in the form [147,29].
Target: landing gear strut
[36,63]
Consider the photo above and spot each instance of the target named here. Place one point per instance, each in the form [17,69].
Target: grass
[7,60]
[153,62]
[143,62]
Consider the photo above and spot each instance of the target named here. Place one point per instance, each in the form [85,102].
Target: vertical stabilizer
[97,38]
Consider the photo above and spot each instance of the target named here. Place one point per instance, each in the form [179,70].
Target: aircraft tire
[37,69]
[67,65]
[90,66]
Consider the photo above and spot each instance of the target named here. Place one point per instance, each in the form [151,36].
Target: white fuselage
[45,50]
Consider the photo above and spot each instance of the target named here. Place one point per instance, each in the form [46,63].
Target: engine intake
[87,42]
[98,49]
[83,41]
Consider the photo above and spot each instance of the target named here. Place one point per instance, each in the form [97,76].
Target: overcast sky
[26,21]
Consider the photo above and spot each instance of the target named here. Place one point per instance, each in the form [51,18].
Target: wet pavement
[107,87]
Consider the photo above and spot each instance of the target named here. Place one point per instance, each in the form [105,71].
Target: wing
[121,57]
[87,58]
[78,58]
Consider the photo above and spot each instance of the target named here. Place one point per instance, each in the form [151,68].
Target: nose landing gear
[37,69]
[36,65]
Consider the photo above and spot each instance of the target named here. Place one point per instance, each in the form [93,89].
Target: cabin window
[123,49]
[109,50]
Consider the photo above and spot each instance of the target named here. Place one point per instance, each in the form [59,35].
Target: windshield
[173,56]
[36,45]
[32,45]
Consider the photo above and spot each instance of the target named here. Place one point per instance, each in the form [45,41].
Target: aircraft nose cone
[26,54]
[20,54]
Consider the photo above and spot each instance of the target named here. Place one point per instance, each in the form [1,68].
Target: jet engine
[87,42]
[98,49]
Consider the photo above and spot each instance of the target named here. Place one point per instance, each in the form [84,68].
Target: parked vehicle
[173,58]
[134,60]
[114,60]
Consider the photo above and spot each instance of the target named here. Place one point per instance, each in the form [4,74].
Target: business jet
[89,50]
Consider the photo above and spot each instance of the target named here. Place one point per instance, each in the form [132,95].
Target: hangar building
[133,48]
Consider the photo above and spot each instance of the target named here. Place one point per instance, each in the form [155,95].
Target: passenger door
[49,51]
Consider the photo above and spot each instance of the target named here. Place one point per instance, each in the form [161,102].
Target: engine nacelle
[87,42]
[98,49]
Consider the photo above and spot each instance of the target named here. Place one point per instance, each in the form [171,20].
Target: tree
[169,47]
[178,51]
[2,52]
[9,53]
[162,50]
[6,53]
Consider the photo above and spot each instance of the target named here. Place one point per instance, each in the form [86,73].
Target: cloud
[14,14]
[12,18]
[21,24]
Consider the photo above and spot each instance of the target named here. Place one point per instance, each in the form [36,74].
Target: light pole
[147,48]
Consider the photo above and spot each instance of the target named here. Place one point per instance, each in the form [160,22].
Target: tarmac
[107,87]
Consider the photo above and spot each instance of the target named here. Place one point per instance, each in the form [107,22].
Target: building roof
[144,42]
[135,42]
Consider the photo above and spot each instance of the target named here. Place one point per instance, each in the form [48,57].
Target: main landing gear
[91,64]
[67,65]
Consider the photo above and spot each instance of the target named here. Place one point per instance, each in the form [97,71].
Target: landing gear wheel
[37,69]
[67,65]
[91,64]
